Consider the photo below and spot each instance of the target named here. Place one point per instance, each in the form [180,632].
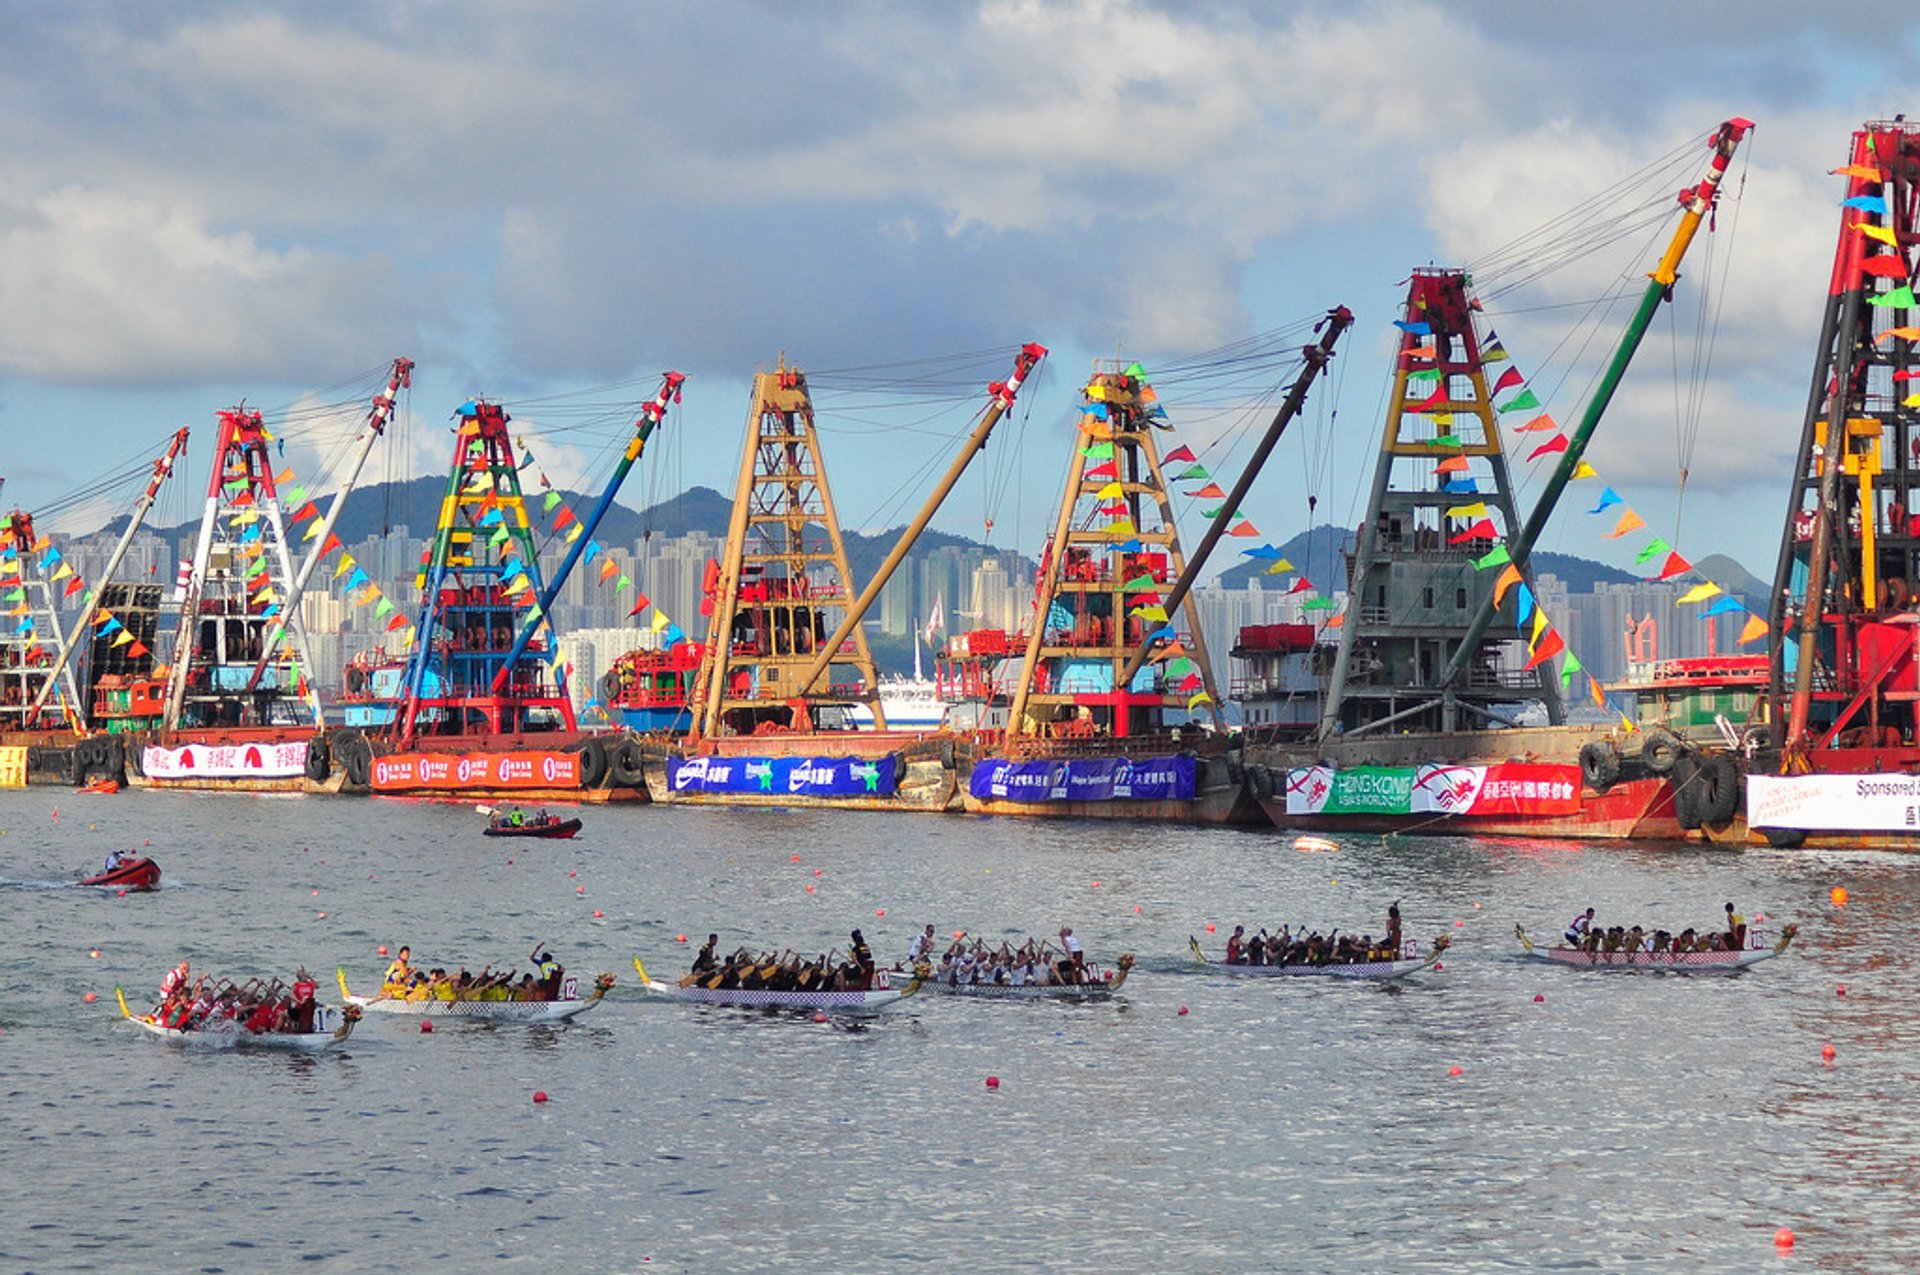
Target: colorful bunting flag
[1508,379]
[1654,549]
[1210,492]
[1676,566]
[1525,401]
[1698,593]
[1756,628]
[1492,351]
[1494,559]
[1629,521]
[1549,646]
[1558,443]
[1508,578]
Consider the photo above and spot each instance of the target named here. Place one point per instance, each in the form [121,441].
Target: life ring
[1687,790]
[1718,780]
[1659,751]
[1599,765]
[319,760]
[626,761]
[593,763]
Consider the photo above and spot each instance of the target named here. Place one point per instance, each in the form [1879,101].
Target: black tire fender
[1785,838]
[946,752]
[1719,784]
[626,763]
[319,759]
[1688,791]
[593,763]
[1599,765]
[1659,751]
[355,755]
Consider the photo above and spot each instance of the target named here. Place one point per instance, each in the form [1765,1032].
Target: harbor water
[1595,1120]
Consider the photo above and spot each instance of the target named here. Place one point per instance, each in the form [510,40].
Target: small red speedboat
[101,787]
[134,874]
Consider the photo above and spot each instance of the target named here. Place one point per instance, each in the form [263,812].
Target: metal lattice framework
[782,579]
[31,632]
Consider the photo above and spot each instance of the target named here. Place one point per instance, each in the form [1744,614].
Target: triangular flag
[1494,559]
[124,638]
[659,621]
[1607,497]
[1492,351]
[345,565]
[1279,567]
[1508,379]
[1698,593]
[1482,530]
[1106,469]
[397,622]
[1756,628]
[1903,334]
[1525,401]
[1508,578]
[386,605]
[1900,297]
[1548,647]
[1725,606]
[548,501]
[640,603]
[1583,470]
[1414,327]
[1558,443]
[1478,509]
[1192,473]
[574,532]
[1452,465]
[1121,527]
[608,570]
[562,518]
[1242,528]
[624,582]
[1629,521]
[1654,549]
[1882,233]
[1539,627]
[1887,265]
[1210,492]
[1676,566]
[1523,608]
[1540,424]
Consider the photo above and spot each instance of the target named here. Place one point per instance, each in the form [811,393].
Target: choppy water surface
[1653,1121]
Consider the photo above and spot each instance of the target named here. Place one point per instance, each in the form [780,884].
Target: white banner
[1852,803]
[225,761]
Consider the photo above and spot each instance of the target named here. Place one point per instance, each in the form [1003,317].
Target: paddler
[862,957]
[1578,927]
[1736,930]
[1393,930]
[401,971]
[114,859]
[705,962]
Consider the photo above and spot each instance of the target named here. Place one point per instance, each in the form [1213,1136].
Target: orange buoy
[809,887]
[323,916]
[95,953]
[679,938]
[879,911]
[539,1095]
[1457,922]
[581,889]
[1827,1052]
[1839,896]
[819,1015]
[1783,1238]
[796,858]
[596,914]
[383,949]
[1136,907]
[89,998]
[1096,885]
[1456,1070]
[1209,927]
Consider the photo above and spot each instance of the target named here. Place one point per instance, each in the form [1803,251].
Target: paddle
[485,810]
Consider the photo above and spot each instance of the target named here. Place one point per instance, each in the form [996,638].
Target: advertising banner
[453,771]
[1840,803]
[225,761]
[1086,779]
[1506,788]
[791,776]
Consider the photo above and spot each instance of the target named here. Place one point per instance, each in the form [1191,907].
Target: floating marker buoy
[1538,999]
[679,938]
[596,914]
[993,1082]
[146,842]
[879,911]
[1096,885]
[123,894]
[809,887]
[581,888]
[1827,1052]
[959,934]
[383,949]
[1456,1070]
[1457,922]
[796,858]
[316,894]
[819,1015]
[1209,927]
[573,874]
[323,916]
[89,998]
[1438,966]
[1840,990]
[426,1027]
[1477,906]
[1314,845]
[816,872]
[1783,1238]
[1183,1011]
[539,1095]
[1839,896]
[95,953]
[1136,907]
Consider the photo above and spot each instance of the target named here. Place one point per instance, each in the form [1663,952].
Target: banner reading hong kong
[1085,779]
[1507,788]
[1839,803]
[791,776]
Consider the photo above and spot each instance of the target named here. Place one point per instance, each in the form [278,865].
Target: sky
[551,204]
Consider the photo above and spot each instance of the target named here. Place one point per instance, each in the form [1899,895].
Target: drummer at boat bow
[400,973]
[1578,928]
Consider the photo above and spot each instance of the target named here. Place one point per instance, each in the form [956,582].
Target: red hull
[1635,808]
[562,831]
[141,874]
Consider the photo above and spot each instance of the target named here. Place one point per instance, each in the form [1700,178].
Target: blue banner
[1085,779]
[785,776]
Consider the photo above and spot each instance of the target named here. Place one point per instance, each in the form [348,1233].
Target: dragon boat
[1377,970]
[331,1027]
[1100,984]
[1683,962]
[882,994]
[570,1004]
[134,874]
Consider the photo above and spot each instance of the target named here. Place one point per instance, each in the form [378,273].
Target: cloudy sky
[551,203]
